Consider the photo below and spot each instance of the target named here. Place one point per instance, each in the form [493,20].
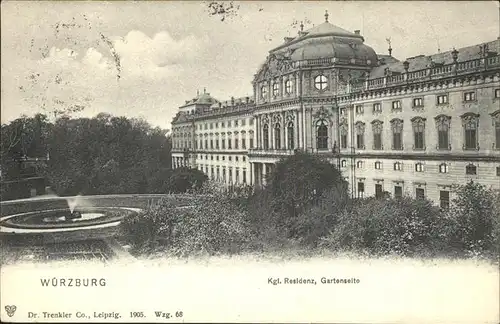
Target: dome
[205,99]
[326,41]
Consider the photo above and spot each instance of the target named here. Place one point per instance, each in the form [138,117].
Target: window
[224,174]
[223,142]
[265,136]
[378,165]
[343,111]
[377,107]
[398,166]
[251,141]
[343,163]
[290,139]
[343,135]
[377,135]
[398,192]
[396,105]
[359,109]
[217,125]
[360,135]
[397,134]
[222,124]
[223,158]
[443,127]
[243,122]
[212,173]
[444,199]
[244,175]
[471,169]
[211,125]
[217,158]
[229,143]
[419,167]
[497,93]
[206,143]
[263,92]
[277,136]
[470,123]
[470,96]
[443,168]
[379,191]
[498,171]
[236,143]
[237,175]
[243,143]
[442,99]
[201,144]
[288,86]
[418,125]
[217,143]
[418,102]
[321,82]
[322,135]
[211,144]
[229,157]
[419,193]
[361,189]
[276,89]
[211,157]
[218,174]
[206,126]
[250,122]
[244,159]
[228,123]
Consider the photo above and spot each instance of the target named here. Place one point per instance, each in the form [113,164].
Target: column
[264,172]
[283,130]
[296,129]
[271,132]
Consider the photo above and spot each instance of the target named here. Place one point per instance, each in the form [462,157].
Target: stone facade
[416,127]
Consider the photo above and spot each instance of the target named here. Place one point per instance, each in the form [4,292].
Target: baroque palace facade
[415,127]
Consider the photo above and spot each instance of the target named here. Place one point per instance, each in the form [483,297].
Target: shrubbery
[229,220]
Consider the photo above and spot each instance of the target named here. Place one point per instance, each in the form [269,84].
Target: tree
[184,179]
[300,180]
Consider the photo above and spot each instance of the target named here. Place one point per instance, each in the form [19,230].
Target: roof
[324,29]
[421,62]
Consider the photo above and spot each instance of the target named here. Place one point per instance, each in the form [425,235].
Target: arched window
[277,136]
[343,135]
[265,136]
[275,89]
[321,135]
[443,128]
[470,123]
[263,92]
[397,134]
[288,86]
[377,134]
[290,134]
[418,124]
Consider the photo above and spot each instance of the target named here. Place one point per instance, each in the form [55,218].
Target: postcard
[252,161]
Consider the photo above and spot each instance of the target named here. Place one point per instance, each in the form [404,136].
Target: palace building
[414,127]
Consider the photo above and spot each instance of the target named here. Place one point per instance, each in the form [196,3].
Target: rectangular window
[378,165]
[236,143]
[243,143]
[229,143]
[236,122]
[237,176]
[444,198]
[420,193]
[397,141]
[398,191]
[377,107]
[471,170]
[419,167]
[228,123]
[419,138]
[251,142]
[359,109]
[418,102]
[206,144]
[243,122]
[217,144]
[396,105]
[497,93]
[211,125]
[201,144]
[378,191]
[498,171]
[211,144]
[250,122]
[442,99]
[361,189]
[223,144]
[244,175]
[342,111]
[443,139]
[470,139]
[469,96]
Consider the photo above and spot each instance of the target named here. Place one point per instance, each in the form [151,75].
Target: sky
[144,59]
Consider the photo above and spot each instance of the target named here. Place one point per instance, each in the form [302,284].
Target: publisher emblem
[10,309]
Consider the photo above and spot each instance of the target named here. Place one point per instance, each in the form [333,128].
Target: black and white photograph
[250,161]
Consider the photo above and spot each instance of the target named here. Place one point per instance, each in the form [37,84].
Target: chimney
[220,104]
[232,101]
[247,99]
[357,31]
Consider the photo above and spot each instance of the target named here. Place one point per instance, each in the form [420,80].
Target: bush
[402,226]
[186,179]
[473,219]
[212,225]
